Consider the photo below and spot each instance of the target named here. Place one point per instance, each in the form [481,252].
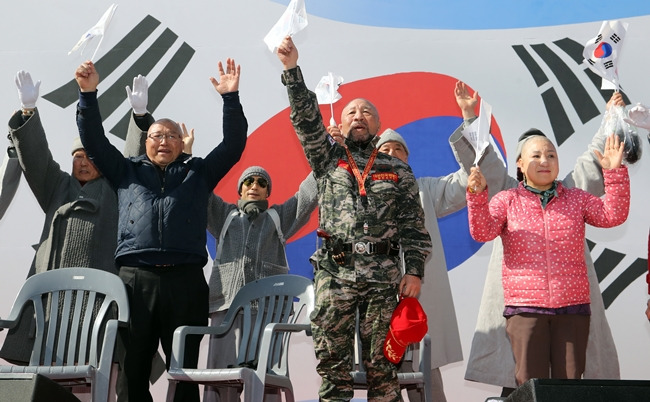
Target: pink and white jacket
[543,263]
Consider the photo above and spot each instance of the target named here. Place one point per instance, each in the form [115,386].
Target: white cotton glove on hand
[138,98]
[27,91]
[639,116]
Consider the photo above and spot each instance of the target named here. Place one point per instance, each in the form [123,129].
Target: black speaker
[33,388]
[552,390]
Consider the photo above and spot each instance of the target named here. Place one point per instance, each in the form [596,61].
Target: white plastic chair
[272,308]
[77,313]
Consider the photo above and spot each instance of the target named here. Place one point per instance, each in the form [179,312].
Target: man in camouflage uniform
[358,267]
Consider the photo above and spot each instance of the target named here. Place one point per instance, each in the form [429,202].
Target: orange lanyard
[361,179]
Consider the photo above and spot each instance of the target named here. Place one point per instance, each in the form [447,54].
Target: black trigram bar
[66,94]
[578,95]
[636,269]
[112,97]
[159,88]
[575,50]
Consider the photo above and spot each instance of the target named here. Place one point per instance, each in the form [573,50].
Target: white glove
[27,91]
[639,116]
[138,98]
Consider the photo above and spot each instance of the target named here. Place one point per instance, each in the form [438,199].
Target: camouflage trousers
[333,327]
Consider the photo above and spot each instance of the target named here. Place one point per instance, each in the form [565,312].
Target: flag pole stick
[96,49]
[332,121]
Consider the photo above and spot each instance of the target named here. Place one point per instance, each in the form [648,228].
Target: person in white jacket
[441,196]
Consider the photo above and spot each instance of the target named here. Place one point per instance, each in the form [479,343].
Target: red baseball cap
[407,325]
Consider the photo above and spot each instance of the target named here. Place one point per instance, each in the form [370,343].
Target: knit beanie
[533,132]
[76,145]
[254,171]
[391,135]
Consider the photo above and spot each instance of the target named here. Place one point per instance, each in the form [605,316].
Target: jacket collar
[363,146]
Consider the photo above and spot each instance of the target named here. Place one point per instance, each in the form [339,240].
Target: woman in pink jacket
[542,227]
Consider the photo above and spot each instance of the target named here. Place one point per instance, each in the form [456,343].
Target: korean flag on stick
[327,92]
[478,133]
[293,20]
[602,52]
[98,29]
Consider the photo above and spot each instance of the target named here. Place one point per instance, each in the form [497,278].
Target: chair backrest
[73,308]
[275,299]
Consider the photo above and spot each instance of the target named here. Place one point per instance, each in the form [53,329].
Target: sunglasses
[260,182]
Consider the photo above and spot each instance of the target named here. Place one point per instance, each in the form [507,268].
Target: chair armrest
[106,358]
[265,345]
[8,324]
[178,342]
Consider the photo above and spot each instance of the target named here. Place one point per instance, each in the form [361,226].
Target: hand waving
[139,96]
[465,101]
[229,79]
[188,139]
[613,153]
[639,115]
[27,90]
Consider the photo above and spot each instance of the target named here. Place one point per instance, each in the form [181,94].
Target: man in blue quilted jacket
[163,197]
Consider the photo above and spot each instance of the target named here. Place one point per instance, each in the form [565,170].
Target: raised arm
[42,172]
[295,212]
[305,112]
[587,173]
[235,125]
[106,157]
[448,192]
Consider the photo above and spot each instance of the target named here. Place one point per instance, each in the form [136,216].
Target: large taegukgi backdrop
[524,58]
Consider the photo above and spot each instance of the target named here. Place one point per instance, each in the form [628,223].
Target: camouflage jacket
[392,210]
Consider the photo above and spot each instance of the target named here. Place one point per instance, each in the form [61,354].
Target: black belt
[385,247]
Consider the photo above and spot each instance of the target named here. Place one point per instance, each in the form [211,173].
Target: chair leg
[288,395]
[171,390]
[253,391]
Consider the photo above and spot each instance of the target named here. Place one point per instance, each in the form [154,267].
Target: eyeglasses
[260,182]
[158,137]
